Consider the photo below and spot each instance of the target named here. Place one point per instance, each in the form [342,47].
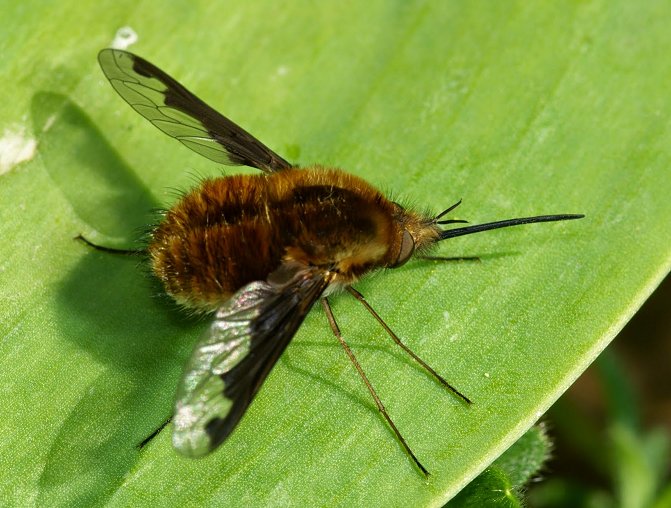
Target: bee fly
[259,250]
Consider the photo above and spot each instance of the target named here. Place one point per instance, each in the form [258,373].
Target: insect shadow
[140,349]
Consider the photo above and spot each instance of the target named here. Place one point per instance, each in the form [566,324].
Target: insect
[260,250]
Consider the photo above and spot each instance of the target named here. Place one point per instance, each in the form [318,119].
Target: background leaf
[520,108]
[503,483]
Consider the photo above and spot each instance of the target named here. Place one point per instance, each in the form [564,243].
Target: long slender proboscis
[469,230]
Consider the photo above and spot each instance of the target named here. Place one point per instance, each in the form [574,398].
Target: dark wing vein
[182,115]
[230,363]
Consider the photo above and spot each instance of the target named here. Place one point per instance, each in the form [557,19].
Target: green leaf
[503,483]
[519,108]
[524,459]
[491,488]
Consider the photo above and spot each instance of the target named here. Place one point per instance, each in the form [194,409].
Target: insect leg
[124,252]
[357,365]
[405,348]
[151,436]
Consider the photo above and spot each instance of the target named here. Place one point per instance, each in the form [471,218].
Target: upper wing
[182,115]
[229,364]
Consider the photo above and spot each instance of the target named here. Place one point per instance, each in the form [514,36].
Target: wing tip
[188,439]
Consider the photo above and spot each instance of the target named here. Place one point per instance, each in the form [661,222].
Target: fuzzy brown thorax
[233,230]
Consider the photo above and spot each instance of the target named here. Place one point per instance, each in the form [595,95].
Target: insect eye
[407,249]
